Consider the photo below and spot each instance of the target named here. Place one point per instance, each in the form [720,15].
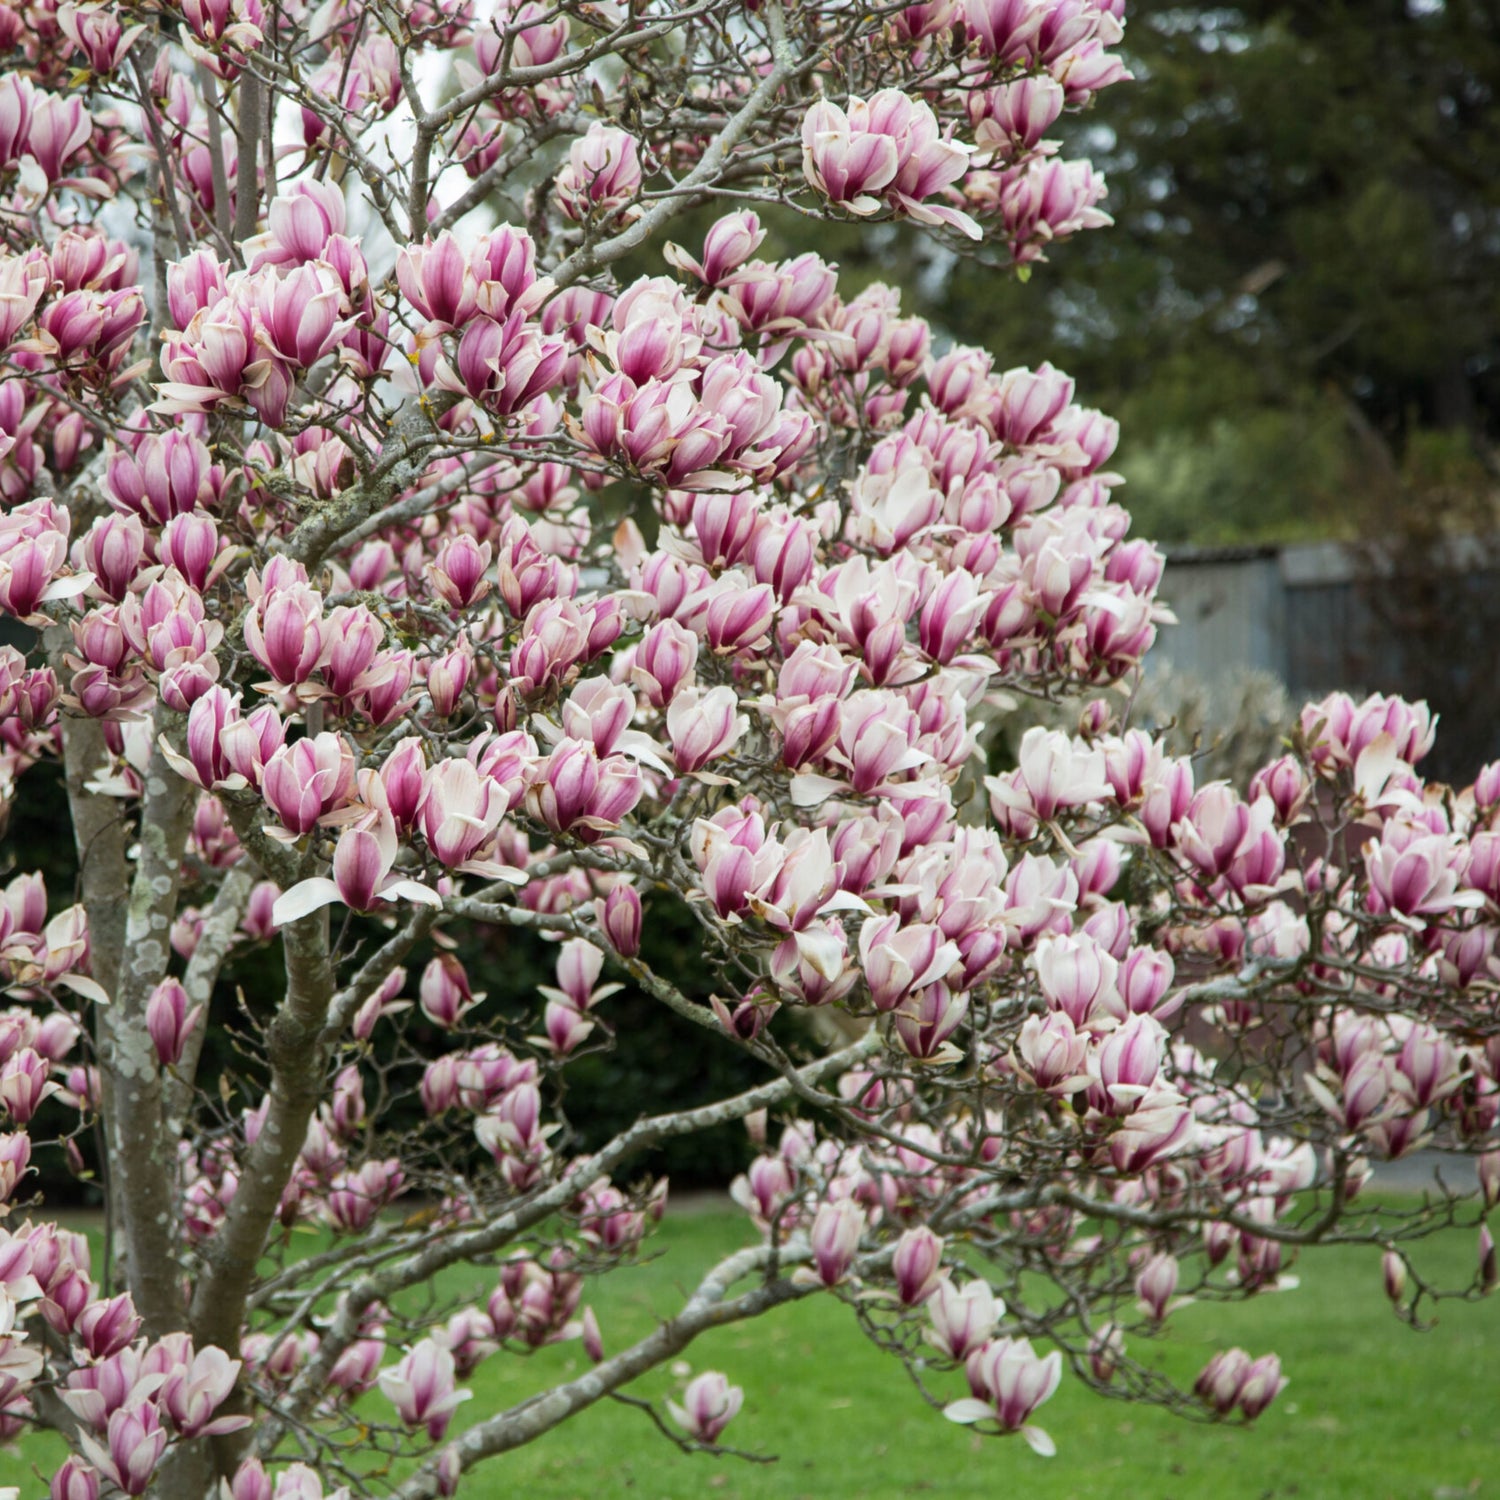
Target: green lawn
[1373,1410]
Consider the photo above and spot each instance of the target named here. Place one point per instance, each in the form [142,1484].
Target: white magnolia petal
[304,898]
[967,1410]
[1039,1442]
[81,984]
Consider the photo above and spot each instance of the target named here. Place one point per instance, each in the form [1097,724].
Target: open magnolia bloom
[362,874]
[464,660]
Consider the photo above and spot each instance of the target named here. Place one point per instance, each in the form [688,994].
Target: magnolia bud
[620,916]
[1393,1270]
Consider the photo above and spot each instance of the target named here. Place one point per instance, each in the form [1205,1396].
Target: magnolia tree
[322,373]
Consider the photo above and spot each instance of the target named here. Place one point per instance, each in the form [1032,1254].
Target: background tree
[1296,313]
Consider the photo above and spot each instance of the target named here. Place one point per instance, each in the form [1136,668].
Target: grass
[1373,1411]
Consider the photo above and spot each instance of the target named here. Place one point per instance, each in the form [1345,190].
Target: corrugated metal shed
[1296,612]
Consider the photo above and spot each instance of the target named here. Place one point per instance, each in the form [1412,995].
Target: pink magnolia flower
[1128,1065]
[900,959]
[1054,773]
[1054,1053]
[619,917]
[1339,731]
[1009,1382]
[193,1391]
[1232,1379]
[351,640]
[285,632]
[1004,29]
[729,243]
[306,780]
[422,1388]
[738,618]
[460,811]
[532,41]
[1415,874]
[114,552]
[765,1188]
[75,1480]
[134,1443]
[926,1020]
[447,677]
[664,662]
[170,1022]
[917,1265]
[33,552]
[887,149]
[709,1404]
[250,1482]
[1161,1126]
[23,279]
[962,1318]
[1156,1284]
[300,221]
[298,313]
[601,175]
[583,794]
[355,1198]
[834,1237]
[507,364]
[105,1328]
[60,128]
[1014,117]
[217,26]
[703,725]
[190,543]
[300,1482]
[444,991]
[363,875]
[25,1081]
[403,776]
[1078,977]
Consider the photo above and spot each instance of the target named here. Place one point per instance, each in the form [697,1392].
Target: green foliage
[1301,288]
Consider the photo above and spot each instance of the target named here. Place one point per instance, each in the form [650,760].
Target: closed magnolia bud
[1218,1241]
[1106,1350]
[170,1022]
[619,916]
[1156,1284]
[74,1481]
[444,991]
[1489,1177]
[1393,1271]
[917,1265]
[1489,1270]
[593,1340]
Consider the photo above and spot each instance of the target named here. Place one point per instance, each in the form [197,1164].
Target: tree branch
[468,1242]
[707,1308]
[298,1068]
[785,66]
[219,931]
